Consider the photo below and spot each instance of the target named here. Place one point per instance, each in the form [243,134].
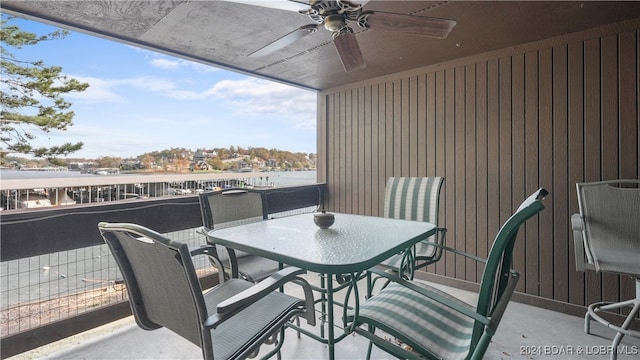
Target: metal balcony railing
[58,278]
[43,289]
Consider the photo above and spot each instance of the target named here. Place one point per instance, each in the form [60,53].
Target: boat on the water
[33,198]
[36,198]
[27,202]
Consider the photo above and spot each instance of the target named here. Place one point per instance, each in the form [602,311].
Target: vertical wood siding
[497,127]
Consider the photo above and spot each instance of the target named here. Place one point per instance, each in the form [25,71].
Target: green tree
[31,95]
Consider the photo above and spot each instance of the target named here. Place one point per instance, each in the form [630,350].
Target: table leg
[327,305]
[330,320]
[323,304]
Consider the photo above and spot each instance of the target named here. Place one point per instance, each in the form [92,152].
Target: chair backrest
[294,200]
[414,198]
[611,220]
[160,278]
[230,207]
[499,262]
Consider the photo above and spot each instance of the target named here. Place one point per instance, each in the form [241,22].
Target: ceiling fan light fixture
[334,22]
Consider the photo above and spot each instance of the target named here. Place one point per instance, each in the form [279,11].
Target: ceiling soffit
[223,34]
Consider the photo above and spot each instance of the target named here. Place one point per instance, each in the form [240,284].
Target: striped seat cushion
[426,325]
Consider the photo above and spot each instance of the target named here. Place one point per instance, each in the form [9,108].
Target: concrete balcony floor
[525,332]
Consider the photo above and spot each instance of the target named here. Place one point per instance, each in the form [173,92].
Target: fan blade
[289,5]
[286,40]
[411,24]
[349,52]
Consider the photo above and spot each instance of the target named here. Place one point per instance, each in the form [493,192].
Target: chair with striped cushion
[414,198]
[433,324]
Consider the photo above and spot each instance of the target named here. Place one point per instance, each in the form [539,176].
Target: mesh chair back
[230,207]
[160,279]
[294,200]
[499,262]
[611,217]
[414,198]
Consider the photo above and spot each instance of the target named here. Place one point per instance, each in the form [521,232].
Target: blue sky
[141,101]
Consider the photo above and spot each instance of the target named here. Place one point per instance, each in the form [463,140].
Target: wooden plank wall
[497,127]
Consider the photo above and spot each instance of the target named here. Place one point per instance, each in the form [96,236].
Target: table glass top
[353,243]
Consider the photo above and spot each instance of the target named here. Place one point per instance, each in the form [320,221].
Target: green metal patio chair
[232,207]
[607,234]
[228,321]
[433,324]
[414,198]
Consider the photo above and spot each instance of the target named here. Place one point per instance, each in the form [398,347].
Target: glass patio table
[353,244]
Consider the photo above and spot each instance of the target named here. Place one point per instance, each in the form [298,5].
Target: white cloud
[198,67]
[247,95]
[257,96]
[165,63]
[108,134]
[107,90]
[153,84]
[161,61]
[176,122]
[99,91]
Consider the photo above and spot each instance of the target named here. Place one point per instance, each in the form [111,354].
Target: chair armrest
[233,259]
[232,305]
[458,252]
[441,234]
[308,299]
[209,251]
[577,224]
[201,250]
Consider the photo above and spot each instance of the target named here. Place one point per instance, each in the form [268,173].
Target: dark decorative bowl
[324,219]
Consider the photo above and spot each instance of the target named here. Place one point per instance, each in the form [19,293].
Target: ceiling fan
[337,16]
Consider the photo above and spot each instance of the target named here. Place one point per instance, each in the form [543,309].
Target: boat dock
[28,193]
